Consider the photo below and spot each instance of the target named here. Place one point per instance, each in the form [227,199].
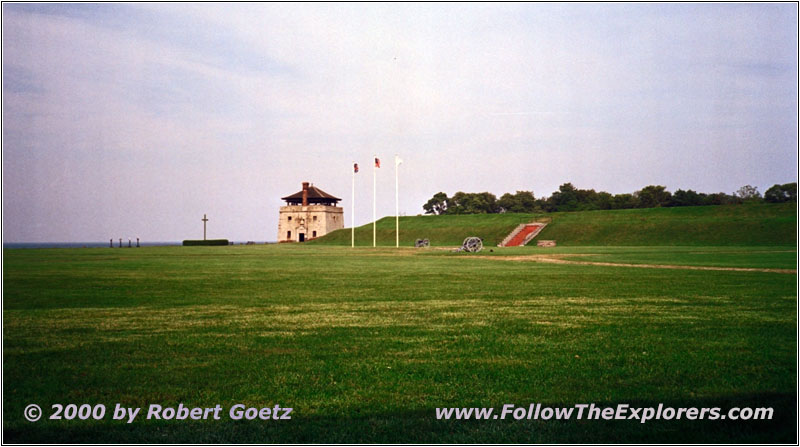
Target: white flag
[397,160]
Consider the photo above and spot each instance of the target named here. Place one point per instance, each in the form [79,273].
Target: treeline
[570,198]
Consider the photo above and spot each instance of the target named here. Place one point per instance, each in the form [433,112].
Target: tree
[719,198]
[486,202]
[526,201]
[624,201]
[781,193]
[457,203]
[791,191]
[473,203]
[521,202]
[586,198]
[438,204]
[653,196]
[603,201]
[507,203]
[570,198]
[748,193]
[565,199]
[686,198]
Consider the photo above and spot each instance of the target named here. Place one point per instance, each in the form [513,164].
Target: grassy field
[366,343]
[730,225]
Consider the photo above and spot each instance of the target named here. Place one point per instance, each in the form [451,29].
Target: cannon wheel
[472,244]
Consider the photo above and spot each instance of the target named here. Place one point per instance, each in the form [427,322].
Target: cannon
[472,244]
[422,243]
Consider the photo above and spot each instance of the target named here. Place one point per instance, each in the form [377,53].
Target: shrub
[189,242]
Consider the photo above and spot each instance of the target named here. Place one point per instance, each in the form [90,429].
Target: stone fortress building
[308,214]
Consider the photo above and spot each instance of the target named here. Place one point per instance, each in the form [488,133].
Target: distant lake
[102,244]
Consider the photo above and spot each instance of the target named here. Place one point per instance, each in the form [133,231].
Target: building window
[290,218]
[288,235]
[315,218]
[313,234]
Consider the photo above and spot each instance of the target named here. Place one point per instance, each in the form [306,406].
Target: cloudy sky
[133,120]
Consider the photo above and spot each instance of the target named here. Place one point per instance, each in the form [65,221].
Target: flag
[397,162]
[377,162]
[355,168]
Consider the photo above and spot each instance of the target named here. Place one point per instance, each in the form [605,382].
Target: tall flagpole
[397,162]
[353,210]
[374,189]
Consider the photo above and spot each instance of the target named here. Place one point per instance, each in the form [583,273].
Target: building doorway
[302,237]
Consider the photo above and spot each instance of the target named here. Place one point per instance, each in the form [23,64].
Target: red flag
[377,162]
[355,168]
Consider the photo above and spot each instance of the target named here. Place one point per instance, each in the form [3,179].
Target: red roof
[314,195]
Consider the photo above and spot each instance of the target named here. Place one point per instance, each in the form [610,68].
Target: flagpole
[396,202]
[374,189]
[353,211]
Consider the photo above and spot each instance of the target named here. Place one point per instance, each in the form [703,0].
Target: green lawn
[365,343]
[736,257]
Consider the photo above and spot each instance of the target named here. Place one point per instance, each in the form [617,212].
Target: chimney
[305,193]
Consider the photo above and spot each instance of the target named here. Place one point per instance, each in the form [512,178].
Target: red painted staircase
[522,234]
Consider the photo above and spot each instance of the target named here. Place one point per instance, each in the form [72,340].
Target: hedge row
[188,243]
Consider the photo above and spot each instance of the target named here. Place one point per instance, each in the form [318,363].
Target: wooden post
[120,242]
[111,243]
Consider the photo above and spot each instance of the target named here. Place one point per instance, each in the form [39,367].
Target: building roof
[314,195]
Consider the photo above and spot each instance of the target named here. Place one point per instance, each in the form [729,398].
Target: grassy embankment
[752,224]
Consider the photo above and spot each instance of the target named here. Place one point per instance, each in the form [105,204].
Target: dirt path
[560,260]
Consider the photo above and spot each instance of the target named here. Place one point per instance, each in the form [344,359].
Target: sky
[134,120]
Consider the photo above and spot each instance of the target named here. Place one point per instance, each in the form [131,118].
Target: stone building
[308,214]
